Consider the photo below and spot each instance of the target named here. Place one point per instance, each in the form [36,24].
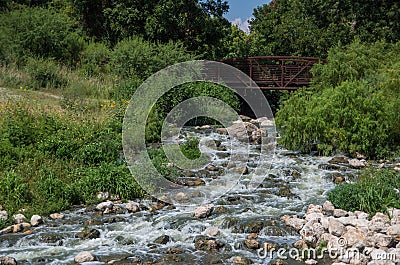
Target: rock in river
[356,163]
[104,205]
[162,240]
[203,211]
[36,220]
[132,207]
[208,244]
[84,256]
[19,218]
[5,260]
[241,260]
[88,234]
[3,215]
[57,216]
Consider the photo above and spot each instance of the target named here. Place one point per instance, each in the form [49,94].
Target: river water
[293,182]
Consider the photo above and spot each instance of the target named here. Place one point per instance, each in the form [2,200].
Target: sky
[241,11]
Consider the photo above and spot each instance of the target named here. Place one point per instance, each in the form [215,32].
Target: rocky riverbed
[233,229]
[349,237]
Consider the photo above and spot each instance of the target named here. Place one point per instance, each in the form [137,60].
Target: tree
[125,18]
[39,32]
[90,14]
[200,26]
[311,27]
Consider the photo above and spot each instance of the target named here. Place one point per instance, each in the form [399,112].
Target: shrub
[374,191]
[50,192]
[52,161]
[137,58]
[95,59]
[104,146]
[110,177]
[124,89]
[14,191]
[191,148]
[358,115]
[39,32]
[184,92]
[45,73]
[160,162]
[19,126]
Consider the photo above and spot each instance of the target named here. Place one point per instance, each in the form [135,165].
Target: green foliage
[45,73]
[50,192]
[137,58]
[200,25]
[14,191]
[110,177]
[95,59]
[354,62]
[125,88]
[51,161]
[191,148]
[19,128]
[311,27]
[374,191]
[38,32]
[358,115]
[287,28]
[197,89]
[181,93]
[161,163]
[91,16]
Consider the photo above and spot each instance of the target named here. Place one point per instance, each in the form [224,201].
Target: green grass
[54,157]
[376,190]
[191,148]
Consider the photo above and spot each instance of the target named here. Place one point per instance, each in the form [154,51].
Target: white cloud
[243,25]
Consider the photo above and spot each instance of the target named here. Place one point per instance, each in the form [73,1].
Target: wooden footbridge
[274,72]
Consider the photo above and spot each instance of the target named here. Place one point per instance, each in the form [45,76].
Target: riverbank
[348,237]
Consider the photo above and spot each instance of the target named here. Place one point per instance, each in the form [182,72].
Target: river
[293,182]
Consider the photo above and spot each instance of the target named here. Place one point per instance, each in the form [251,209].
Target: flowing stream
[293,182]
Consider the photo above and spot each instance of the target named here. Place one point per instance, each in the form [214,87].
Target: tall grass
[53,158]
[376,190]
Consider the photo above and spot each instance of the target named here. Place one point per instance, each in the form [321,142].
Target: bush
[133,60]
[14,191]
[50,192]
[38,32]
[160,162]
[191,148]
[374,191]
[110,177]
[184,92]
[95,59]
[45,73]
[138,59]
[51,161]
[351,109]
[124,89]
[18,126]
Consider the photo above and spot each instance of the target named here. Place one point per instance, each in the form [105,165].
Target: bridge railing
[276,72]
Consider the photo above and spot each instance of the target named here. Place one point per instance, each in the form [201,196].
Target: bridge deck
[274,72]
